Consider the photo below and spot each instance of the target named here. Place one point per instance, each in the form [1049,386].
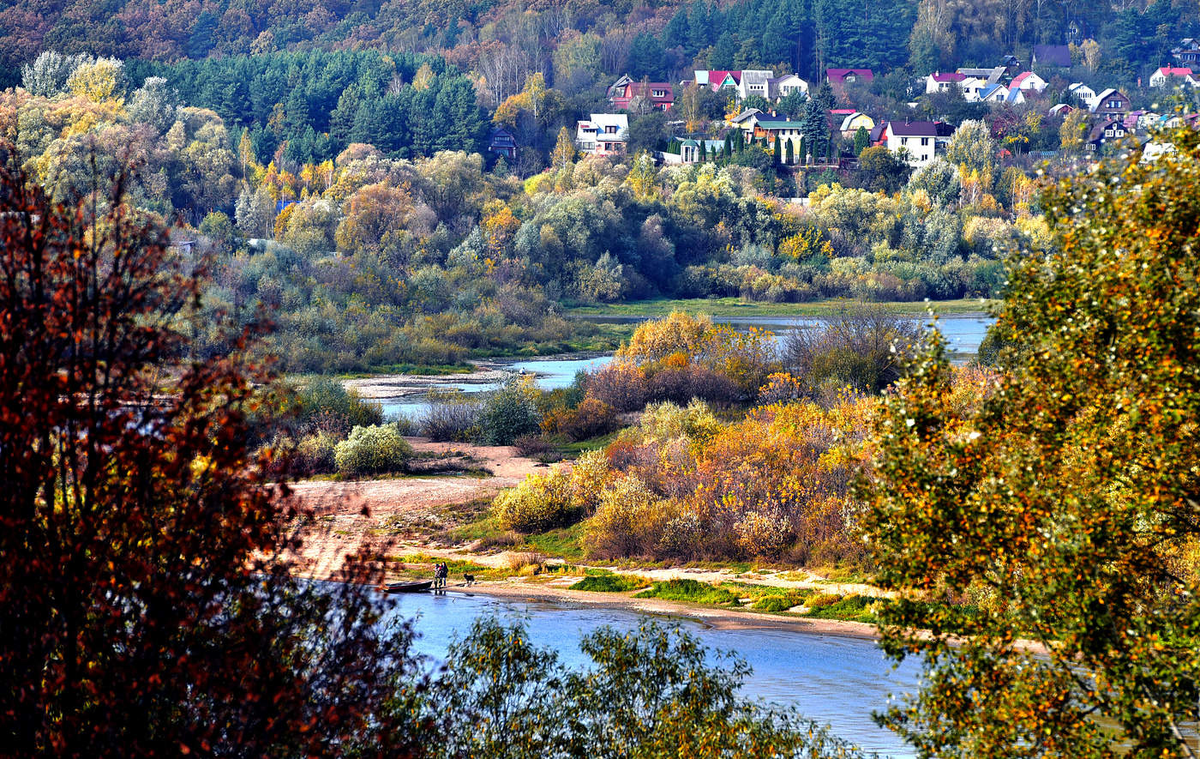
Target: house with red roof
[718,80]
[660,95]
[1173,75]
[940,82]
[1027,80]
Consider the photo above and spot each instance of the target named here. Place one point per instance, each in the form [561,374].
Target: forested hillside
[578,40]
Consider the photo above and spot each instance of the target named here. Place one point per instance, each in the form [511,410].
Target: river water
[963,332]
[832,679]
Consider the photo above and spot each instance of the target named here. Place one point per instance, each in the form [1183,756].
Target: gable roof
[952,76]
[1024,76]
[717,76]
[990,75]
[850,118]
[755,76]
[838,76]
[1174,71]
[770,124]
[992,89]
[745,115]
[914,128]
[1053,55]
[1110,92]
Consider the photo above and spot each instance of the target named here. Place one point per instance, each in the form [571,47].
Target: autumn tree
[147,609]
[1060,505]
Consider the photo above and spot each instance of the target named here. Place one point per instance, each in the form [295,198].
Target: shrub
[591,418]
[629,520]
[314,454]
[682,384]
[533,445]
[508,414]
[764,533]
[325,404]
[621,385]
[589,477]
[538,503]
[451,418]
[372,450]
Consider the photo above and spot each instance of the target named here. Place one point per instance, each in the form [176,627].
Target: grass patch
[607,582]
[575,450]
[740,307]
[692,591]
[565,542]
[846,608]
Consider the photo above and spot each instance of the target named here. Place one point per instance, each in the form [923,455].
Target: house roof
[1015,96]
[785,77]
[1098,130]
[745,115]
[992,89]
[1110,92]
[755,76]
[846,122]
[838,76]
[1053,55]
[914,128]
[1174,71]
[771,124]
[716,76]
[1061,108]
[1024,76]
[990,75]
[646,89]
[952,76]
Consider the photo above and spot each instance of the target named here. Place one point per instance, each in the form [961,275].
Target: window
[924,142]
[658,93]
[903,140]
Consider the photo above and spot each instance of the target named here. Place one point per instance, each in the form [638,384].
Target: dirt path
[376,514]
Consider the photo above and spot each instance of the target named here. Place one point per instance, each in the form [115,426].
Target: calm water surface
[835,680]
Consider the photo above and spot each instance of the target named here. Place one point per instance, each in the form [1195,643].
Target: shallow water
[831,679]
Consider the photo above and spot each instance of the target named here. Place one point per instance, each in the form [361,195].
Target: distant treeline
[317,103]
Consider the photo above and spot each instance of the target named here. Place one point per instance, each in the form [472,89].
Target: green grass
[565,542]
[607,582]
[845,608]
[692,591]
[740,307]
[574,450]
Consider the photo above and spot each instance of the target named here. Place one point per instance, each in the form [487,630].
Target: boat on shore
[408,587]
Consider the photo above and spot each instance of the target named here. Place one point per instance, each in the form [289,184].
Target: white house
[918,141]
[972,86]
[1061,109]
[994,93]
[1170,76]
[754,82]
[602,134]
[782,86]
[941,82]
[1084,93]
[1027,80]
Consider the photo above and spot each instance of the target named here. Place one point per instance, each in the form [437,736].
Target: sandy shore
[404,385]
[724,619]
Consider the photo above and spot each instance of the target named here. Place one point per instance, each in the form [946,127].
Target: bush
[508,414]
[325,404]
[372,450]
[629,520]
[681,385]
[591,418]
[620,385]
[314,454]
[539,503]
[450,418]
[589,477]
[533,446]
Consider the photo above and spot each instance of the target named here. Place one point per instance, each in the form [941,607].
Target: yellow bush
[629,520]
[588,480]
[541,502]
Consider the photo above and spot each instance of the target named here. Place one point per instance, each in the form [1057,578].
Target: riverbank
[733,307]
[715,617]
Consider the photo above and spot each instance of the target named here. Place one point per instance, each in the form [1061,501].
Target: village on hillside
[771,109]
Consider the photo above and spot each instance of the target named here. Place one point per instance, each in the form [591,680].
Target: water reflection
[832,679]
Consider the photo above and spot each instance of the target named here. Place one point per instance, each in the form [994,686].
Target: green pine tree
[862,140]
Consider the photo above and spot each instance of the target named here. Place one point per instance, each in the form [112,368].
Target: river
[832,679]
[963,332]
